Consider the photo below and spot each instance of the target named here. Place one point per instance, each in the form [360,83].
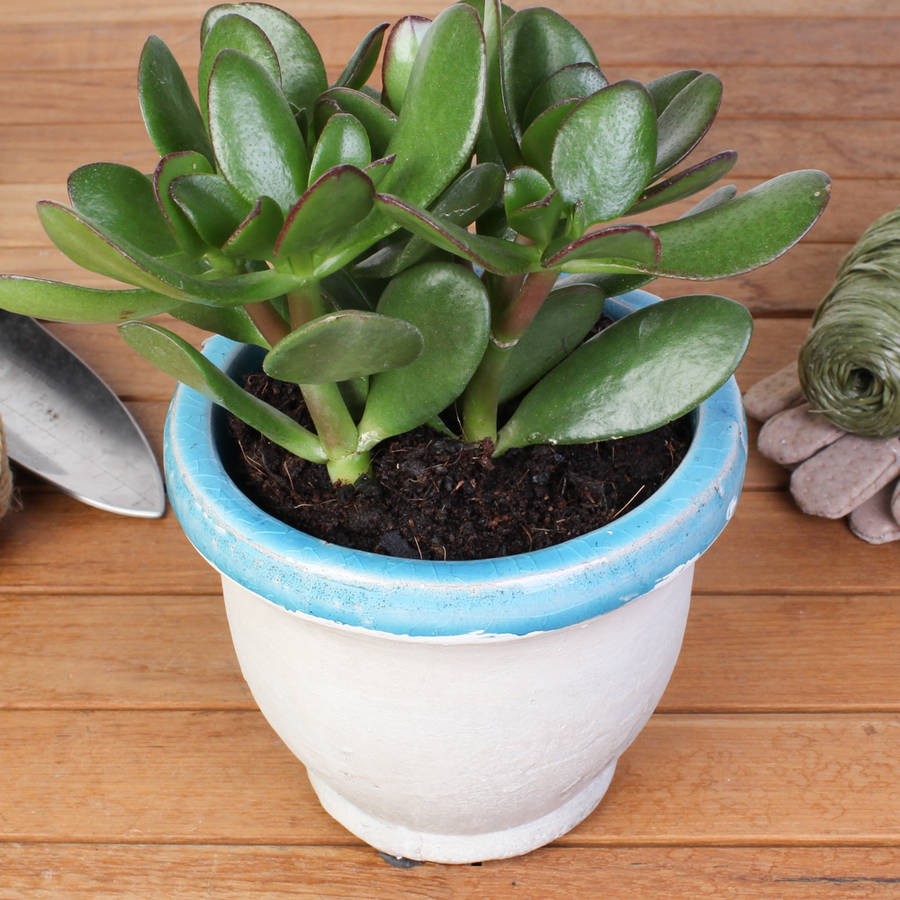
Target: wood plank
[768,653]
[706,41]
[104,872]
[767,147]
[225,777]
[51,11]
[832,93]
[740,654]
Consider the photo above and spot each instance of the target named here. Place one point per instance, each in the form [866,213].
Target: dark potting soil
[431,497]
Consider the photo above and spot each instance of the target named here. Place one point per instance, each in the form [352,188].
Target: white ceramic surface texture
[481,746]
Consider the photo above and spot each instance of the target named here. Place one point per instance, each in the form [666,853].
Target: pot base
[399,841]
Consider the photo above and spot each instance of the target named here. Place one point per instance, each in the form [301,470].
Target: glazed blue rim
[537,591]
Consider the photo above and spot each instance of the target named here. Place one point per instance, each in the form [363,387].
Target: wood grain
[135,872]
[224,777]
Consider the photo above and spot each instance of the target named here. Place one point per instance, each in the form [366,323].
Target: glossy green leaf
[400,53]
[303,75]
[536,43]
[605,150]
[88,246]
[682,124]
[211,205]
[449,306]
[716,198]
[170,113]
[231,322]
[430,150]
[63,302]
[255,237]
[664,89]
[634,246]
[478,5]
[345,292]
[578,81]
[523,187]
[493,254]
[121,201]
[746,232]
[379,121]
[645,370]
[471,194]
[377,170]
[612,284]
[497,139]
[685,183]
[234,32]
[561,324]
[537,142]
[256,139]
[533,207]
[343,142]
[337,201]
[357,71]
[170,167]
[176,357]
[343,345]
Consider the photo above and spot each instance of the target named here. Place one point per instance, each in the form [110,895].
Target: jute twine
[5,476]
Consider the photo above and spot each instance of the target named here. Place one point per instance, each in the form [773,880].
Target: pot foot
[399,841]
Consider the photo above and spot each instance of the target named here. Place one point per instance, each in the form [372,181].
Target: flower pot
[456,711]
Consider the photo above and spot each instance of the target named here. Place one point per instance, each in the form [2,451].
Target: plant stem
[334,425]
[268,321]
[512,320]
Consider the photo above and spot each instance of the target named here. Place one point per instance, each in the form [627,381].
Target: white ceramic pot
[457,711]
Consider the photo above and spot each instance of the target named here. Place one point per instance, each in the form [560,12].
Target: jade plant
[396,251]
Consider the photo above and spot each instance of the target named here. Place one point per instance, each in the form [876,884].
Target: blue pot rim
[537,591]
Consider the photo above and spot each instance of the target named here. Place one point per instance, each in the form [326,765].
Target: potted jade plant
[387,261]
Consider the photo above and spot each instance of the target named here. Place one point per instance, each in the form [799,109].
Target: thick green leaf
[170,112]
[94,250]
[62,302]
[231,322]
[605,150]
[255,136]
[357,71]
[343,345]
[634,246]
[716,198]
[255,237]
[376,170]
[337,201]
[400,53]
[533,207]
[611,283]
[537,142]
[378,120]
[178,358]
[343,142]
[645,370]
[303,75]
[493,254]
[234,32]
[664,89]
[682,124]
[121,201]
[537,42]
[430,150]
[523,187]
[186,162]
[497,139]
[561,324]
[685,183]
[478,5]
[578,81]
[449,306]
[746,232]
[344,292]
[471,194]
[211,204]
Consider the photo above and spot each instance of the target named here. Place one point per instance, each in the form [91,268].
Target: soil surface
[435,498]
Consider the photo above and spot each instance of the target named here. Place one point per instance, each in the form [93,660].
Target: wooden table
[133,762]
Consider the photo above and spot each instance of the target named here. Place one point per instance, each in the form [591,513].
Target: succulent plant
[397,252]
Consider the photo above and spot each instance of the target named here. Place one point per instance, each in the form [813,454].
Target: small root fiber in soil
[435,498]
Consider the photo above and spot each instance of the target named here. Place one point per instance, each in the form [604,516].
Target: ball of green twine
[849,364]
